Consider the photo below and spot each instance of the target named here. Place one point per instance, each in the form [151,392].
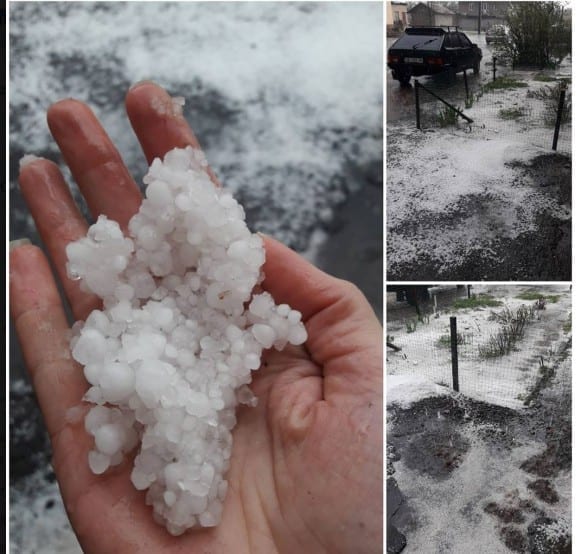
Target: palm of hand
[306,467]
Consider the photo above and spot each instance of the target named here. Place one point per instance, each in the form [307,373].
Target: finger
[344,335]
[59,222]
[95,163]
[43,332]
[292,280]
[158,122]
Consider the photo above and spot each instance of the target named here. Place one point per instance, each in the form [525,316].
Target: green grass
[511,113]
[534,295]
[544,78]
[447,116]
[504,83]
[476,301]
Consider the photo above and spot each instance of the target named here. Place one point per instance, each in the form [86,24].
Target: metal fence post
[494,68]
[417,97]
[454,351]
[560,109]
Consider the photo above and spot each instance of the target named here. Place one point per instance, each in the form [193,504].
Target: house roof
[435,7]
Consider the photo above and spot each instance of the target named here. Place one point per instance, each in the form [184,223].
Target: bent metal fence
[500,363]
[521,105]
[453,111]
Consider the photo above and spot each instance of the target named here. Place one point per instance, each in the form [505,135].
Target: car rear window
[464,40]
[452,41]
[429,42]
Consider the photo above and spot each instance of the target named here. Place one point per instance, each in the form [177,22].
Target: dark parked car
[432,50]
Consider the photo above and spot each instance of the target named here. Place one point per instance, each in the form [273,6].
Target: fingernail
[17,243]
[143,82]
[28,159]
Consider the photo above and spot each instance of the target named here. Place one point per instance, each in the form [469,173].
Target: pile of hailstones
[171,354]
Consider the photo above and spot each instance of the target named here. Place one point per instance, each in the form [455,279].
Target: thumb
[344,335]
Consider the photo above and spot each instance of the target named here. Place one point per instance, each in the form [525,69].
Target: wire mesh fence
[502,352]
[520,104]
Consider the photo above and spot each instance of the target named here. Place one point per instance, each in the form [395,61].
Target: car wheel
[476,67]
[404,79]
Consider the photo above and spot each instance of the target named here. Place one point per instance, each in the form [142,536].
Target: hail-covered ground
[286,100]
[465,466]
[504,380]
[488,200]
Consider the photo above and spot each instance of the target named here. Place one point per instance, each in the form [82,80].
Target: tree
[539,35]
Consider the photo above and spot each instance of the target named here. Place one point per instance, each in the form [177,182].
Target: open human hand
[306,467]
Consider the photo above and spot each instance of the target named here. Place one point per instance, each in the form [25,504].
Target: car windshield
[412,42]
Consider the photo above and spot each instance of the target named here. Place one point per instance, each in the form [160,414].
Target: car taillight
[434,61]
[393,59]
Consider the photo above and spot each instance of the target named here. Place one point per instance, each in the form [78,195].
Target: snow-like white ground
[464,181]
[453,529]
[485,474]
[282,96]
[452,189]
[405,390]
[448,513]
[38,521]
[533,127]
[505,380]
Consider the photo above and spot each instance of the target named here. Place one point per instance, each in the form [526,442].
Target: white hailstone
[171,353]
[90,346]
[117,381]
[109,438]
[97,417]
[98,462]
[264,334]
[92,373]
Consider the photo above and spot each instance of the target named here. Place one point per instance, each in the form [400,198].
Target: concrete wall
[467,23]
